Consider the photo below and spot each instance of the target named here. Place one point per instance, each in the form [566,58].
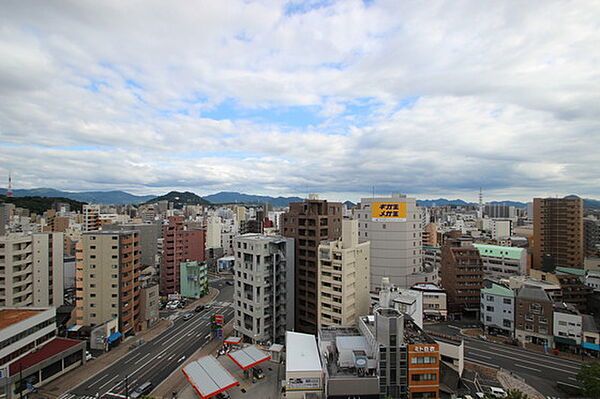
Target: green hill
[40,204]
[180,199]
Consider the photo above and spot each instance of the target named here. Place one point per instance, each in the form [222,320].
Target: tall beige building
[343,278]
[393,226]
[107,279]
[31,270]
[91,217]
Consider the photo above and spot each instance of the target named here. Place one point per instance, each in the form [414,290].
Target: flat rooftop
[302,353]
[8,317]
[46,351]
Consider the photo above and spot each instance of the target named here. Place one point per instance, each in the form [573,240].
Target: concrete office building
[558,239]
[393,226]
[533,316]
[108,286]
[435,303]
[501,228]
[462,276]
[91,217]
[180,244]
[148,234]
[304,375]
[591,227]
[31,269]
[308,223]
[149,304]
[498,309]
[343,278]
[263,287]
[502,262]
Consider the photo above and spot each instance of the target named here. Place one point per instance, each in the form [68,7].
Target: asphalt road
[539,370]
[155,360]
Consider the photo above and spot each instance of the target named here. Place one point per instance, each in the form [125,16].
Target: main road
[155,360]
[541,371]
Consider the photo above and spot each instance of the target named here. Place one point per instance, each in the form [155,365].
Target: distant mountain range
[38,204]
[95,197]
[229,197]
[179,199]
[225,197]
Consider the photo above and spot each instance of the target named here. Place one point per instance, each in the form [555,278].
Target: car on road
[229,282]
[88,356]
[188,316]
[257,373]
[142,390]
[199,308]
[223,395]
[173,305]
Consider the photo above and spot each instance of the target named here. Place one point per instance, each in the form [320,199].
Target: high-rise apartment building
[149,233]
[462,276]
[308,223]
[393,226]
[91,217]
[180,244]
[558,239]
[343,278]
[591,235]
[107,282]
[31,269]
[263,299]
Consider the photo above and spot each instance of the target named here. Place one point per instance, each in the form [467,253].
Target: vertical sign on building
[218,325]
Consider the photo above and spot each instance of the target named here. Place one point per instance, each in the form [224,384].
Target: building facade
[107,279]
[263,287]
[179,245]
[308,223]
[462,276]
[503,262]
[91,217]
[194,279]
[498,309]
[558,239]
[393,226]
[343,278]
[533,316]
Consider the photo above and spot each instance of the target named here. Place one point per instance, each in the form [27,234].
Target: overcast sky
[434,99]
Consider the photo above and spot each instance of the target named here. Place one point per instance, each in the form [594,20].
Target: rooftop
[535,293]
[497,289]
[498,251]
[426,287]
[301,352]
[248,357]
[112,233]
[570,270]
[8,317]
[208,377]
[46,351]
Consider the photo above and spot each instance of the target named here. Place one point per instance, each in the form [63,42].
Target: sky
[341,98]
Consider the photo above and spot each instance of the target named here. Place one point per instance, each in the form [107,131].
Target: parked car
[199,308]
[88,356]
[229,282]
[223,395]
[188,316]
[258,373]
[142,390]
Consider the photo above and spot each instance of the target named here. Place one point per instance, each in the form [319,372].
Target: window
[488,318]
[423,360]
[506,323]
[507,301]
[535,308]
[543,320]
[424,377]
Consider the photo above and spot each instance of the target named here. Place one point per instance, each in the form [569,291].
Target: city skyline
[292,98]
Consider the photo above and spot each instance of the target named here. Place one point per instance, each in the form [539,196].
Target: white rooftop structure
[209,377]
[302,353]
[248,357]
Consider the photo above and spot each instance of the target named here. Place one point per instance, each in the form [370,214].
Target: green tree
[589,376]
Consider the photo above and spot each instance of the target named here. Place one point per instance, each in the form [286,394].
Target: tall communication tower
[9,192]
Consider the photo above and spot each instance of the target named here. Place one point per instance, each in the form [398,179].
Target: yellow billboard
[388,212]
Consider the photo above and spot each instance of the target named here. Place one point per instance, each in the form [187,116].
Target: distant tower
[9,192]
[480,210]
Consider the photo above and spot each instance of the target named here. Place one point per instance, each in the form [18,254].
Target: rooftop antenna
[9,192]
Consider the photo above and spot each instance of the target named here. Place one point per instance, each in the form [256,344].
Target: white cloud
[503,98]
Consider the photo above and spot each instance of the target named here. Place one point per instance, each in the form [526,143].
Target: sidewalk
[177,382]
[75,377]
[509,381]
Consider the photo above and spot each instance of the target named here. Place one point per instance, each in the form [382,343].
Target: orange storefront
[423,371]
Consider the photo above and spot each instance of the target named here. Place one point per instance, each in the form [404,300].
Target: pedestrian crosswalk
[75,396]
[224,304]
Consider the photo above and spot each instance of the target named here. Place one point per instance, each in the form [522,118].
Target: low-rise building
[435,304]
[30,353]
[534,316]
[567,327]
[304,374]
[149,304]
[591,336]
[498,309]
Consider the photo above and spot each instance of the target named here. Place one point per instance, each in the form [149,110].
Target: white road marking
[527,367]
[481,362]
[478,355]
[513,358]
[142,358]
[106,383]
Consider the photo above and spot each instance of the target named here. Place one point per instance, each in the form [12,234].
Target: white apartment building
[393,226]
[503,262]
[498,309]
[343,278]
[567,326]
[263,297]
[31,269]
[435,302]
